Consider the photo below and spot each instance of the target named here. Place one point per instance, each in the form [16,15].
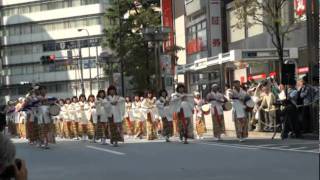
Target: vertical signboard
[167,21]
[215,27]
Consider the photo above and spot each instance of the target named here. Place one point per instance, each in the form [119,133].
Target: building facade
[68,32]
[210,36]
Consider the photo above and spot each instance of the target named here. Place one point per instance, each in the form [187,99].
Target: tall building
[49,42]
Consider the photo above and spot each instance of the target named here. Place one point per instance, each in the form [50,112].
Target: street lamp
[79,30]
[157,35]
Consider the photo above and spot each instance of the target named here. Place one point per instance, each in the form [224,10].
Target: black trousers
[290,121]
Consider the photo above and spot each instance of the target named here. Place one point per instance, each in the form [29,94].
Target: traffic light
[48,59]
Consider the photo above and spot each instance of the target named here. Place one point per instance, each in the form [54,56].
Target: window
[197,38]
[234,33]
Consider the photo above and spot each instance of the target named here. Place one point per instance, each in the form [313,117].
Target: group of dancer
[110,116]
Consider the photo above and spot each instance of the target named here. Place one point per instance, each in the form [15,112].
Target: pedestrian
[217,99]
[184,112]
[305,93]
[291,118]
[148,106]
[115,117]
[199,116]
[268,109]
[162,105]
[60,119]
[102,117]
[237,97]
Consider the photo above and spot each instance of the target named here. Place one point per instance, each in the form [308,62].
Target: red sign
[167,21]
[273,74]
[303,70]
[300,7]
[194,46]
[52,57]
[259,76]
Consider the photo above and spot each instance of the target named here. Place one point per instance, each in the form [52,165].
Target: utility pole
[120,50]
[81,69]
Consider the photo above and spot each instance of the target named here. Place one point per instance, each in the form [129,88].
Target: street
[259,159]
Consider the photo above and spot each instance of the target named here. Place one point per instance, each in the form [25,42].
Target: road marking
[281,147]
[106,150]
[232,146]
[266,145]
[242,146]
[298,148]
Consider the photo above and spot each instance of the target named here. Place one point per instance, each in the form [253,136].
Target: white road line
[298,148]
[232,146]
[281,147]
[106,150]
[266,145]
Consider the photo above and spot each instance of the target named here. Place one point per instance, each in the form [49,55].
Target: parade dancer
[237,96]
[67,108]
[102,118]
[115,115]
[199,116]
[162,106]
[137,117]
[128,117]
[184,110]
[93,117]
[148,108]
[216,100]
[74,110]
[84,116]
[44,119]
[59,123]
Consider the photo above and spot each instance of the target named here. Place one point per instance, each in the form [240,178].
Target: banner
[167,21]
[215,27]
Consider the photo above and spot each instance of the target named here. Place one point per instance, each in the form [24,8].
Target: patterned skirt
[44,130]
[218,125]
[67,129]
[75,128]
[91,129]
[151,128]
[129,126]
[185,127]
[167,127]
[241,128]
[115,131]
[102,130]
[200,126]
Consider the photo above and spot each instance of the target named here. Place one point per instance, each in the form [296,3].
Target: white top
[149,106]
[216,100]
[184,101]
[116,106]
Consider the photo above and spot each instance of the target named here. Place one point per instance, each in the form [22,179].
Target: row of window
[24,29]
[197,41]
[37,7]
[55,67]
[49,47]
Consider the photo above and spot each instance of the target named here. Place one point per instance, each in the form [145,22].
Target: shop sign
[215,27]
[303,70]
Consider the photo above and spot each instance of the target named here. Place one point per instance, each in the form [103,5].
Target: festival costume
[216,100]
[149,114]
[199,117]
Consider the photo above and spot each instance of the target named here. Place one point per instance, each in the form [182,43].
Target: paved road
[257,159]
